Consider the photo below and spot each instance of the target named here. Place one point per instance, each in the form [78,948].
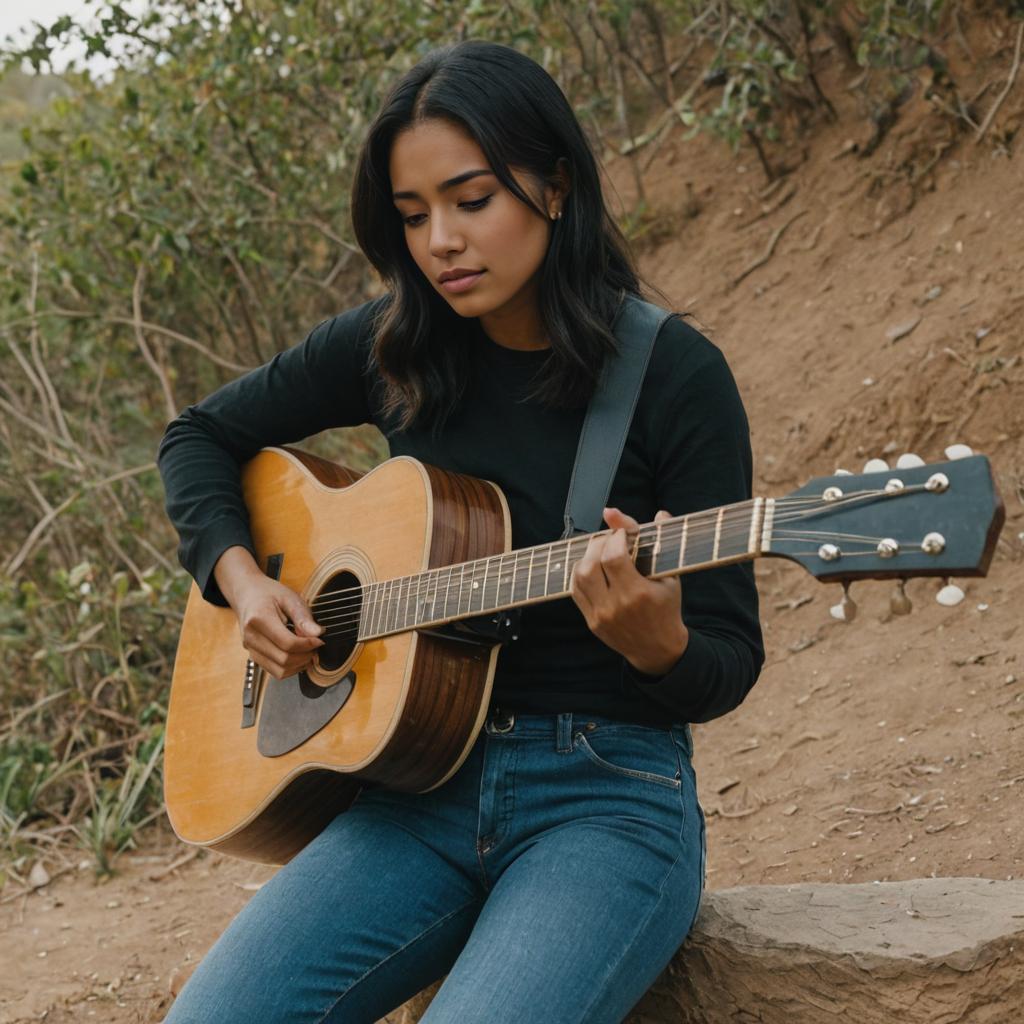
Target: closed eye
[472,205]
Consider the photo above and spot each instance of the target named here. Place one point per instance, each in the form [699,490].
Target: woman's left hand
[636,616]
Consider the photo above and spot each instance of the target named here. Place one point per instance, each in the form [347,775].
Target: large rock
[931,950]
[927,951]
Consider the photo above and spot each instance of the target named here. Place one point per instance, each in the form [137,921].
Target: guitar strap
[605,427]
[636,326]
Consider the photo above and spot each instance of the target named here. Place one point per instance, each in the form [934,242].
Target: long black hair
[519,117]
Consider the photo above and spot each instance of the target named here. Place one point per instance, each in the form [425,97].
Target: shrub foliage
[182,218]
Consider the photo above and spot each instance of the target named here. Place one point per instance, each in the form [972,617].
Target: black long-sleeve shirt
[688,449]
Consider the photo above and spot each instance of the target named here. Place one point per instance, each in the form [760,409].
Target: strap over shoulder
[610,412]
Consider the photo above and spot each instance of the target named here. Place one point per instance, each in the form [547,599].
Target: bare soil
[886,319]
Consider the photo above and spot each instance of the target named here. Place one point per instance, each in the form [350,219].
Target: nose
[445,239]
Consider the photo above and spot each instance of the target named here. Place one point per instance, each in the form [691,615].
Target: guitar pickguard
[296,708]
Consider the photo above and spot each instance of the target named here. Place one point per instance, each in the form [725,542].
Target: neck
[517,324]
[530,575]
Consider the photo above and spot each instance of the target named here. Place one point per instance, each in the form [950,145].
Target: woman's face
[463,225]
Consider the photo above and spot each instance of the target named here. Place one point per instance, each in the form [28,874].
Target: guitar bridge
[253,673]
[250,693]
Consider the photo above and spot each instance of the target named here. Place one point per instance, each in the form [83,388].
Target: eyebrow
[445,185]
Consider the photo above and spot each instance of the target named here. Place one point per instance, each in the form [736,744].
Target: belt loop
[563,732]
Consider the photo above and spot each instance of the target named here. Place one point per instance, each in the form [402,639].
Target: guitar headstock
[941,519]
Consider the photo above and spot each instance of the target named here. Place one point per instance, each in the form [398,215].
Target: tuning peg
[846,610]
[959,451]
[876,466]
[950,595]
[899,603]
[842,472]
[909,461]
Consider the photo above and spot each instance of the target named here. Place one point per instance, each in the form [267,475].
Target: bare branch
[81,314]
[993,110]
[140,340]
[40,528]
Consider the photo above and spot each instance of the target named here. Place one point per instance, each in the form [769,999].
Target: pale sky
[16,19]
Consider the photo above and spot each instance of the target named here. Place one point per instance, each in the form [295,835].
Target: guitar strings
[692,524]
[645,538]
[342,620]
[339,625]
[695,525]
[483,567]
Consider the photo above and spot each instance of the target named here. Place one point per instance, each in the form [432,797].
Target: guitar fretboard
[543,573]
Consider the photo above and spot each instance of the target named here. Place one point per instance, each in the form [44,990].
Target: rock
[178,977]
[38,876]
[919,952]
[925,951]
[898,331]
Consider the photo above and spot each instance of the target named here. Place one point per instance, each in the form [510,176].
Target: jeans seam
[639,928]
[660,780]
[401,949]
[484,882]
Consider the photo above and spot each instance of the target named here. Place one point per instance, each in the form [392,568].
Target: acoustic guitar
[405,564]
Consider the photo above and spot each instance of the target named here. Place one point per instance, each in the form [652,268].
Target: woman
[554,876]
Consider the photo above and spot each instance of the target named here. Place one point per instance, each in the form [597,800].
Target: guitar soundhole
[337,609]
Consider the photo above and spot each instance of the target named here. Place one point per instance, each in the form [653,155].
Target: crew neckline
[487,343]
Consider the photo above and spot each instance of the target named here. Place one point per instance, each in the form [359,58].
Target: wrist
[234,567]
[660,661]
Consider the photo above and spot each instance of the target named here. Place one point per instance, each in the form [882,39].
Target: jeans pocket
[647,755]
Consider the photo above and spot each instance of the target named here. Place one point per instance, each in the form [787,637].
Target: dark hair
[519,117]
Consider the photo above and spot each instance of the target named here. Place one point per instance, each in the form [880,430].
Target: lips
[455,273]
[460,280]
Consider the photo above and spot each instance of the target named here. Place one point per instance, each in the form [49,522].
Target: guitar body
[402,710]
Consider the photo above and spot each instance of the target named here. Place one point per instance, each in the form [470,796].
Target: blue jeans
[552,878]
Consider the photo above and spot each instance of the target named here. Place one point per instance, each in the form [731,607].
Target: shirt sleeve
[704,460]
[317,384]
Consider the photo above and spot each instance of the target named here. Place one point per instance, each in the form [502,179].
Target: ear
[558,187]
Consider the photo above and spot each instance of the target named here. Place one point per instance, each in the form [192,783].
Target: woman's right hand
[263,607]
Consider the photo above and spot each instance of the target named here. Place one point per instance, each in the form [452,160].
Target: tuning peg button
[899,602]
[846,610]
[876,466]
[950,595]
[909,461]
[842,472]
[959,451]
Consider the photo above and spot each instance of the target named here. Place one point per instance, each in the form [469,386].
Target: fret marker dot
[475,584]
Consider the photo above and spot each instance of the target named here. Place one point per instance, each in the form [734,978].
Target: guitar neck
[701,540]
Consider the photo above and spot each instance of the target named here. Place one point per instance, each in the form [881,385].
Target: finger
[618,520]
[578,591]
[279,664]
[270,621]
[267,657]
[274,630]
[623,525]
[587,570]
[297,610]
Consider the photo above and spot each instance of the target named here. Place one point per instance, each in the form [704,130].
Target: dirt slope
[887,319]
